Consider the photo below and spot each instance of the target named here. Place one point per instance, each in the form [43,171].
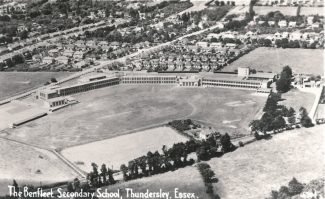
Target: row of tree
[273,117]
[208,177]
[294,188]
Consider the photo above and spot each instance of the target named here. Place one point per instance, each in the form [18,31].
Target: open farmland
[12,83]
[21,162]
[119,110]
[307,61]
[116,151]
[291,11]
[253,171]
[186,179]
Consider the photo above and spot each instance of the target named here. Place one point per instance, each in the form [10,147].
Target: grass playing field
[12,83]
[21,162]
[253,171]
[116,151]
[305,61]
[291,11]
[296,99]
[114,111]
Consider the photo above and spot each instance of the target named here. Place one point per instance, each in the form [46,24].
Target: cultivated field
[292,11]
[305,61]
[12,83]
[114,111]
[253,171]
[186,179]
[21,162]
[116,151]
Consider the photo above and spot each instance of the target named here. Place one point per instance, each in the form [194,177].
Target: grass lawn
[114,111]
[120,150]
[21,162]
[253,171]
[292,11]
[12,83]
[186,180]
[296,99]
[307,61]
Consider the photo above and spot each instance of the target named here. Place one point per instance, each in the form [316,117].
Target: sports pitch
[18,82]
[306,61]
[117,151]
[115,111]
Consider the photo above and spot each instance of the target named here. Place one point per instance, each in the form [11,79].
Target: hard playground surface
[114,111]
[18,111]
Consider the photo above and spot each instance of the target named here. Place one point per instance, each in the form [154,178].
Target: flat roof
[263,75]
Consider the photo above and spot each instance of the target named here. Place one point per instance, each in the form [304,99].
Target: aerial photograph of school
[150,99]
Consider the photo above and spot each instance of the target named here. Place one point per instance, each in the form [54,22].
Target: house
[310,20]
[62,59]
[295,36]
[229,34]
[79,43]
[171,66]
[216,45]
[202,44]
[204,58]
[37,58]
[282,23]
[103,43]
[315,25]
[90,43]
[251,23]
[219,25]
[137,65]
[68,53]
[106,48]
[188,65]
[213,35]
[250,34]
[285,35]
[197,65]
[47,60]
[114,45]
[231,45]
[81,64]
[53,52]
[292,24]
[154,63]
[277,35]
[213,59]
[13,46]
[271,23]
[79,55]
[261,22]
[179,66]
[205,66]
[146,64]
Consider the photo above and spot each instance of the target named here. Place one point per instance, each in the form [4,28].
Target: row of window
[148,82]
[230,85]
[148,78]
[230,82]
